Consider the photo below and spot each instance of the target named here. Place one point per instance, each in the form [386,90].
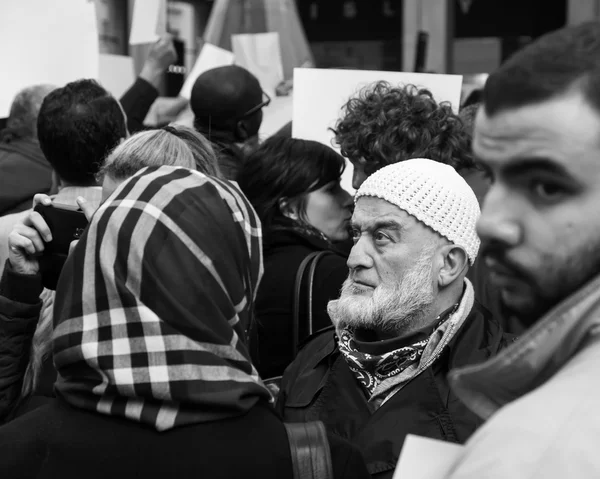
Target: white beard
[390,308]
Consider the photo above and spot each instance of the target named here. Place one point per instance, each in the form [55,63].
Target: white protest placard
[320,94]
[210,57]
[260,54]
[116,73]
[46,44]
[425,458]
[276,115]
[149,21]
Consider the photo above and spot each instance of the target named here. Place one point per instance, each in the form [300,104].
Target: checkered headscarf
[154,305]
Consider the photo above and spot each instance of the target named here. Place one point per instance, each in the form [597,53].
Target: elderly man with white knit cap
[405,317]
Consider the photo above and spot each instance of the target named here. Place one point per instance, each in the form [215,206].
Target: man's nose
[359,255]
[499,221]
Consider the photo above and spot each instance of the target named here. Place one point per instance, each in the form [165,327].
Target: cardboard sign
[320,94]
[60,46]
[260,54]
[149,21]
[210,57]
[425,458]
[116,73]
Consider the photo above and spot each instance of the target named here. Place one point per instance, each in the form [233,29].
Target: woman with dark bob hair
[294,185]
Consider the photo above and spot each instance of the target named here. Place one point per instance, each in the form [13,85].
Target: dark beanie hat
[224,94]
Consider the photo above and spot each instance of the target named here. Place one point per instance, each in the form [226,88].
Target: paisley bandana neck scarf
[371,369]
[153,308]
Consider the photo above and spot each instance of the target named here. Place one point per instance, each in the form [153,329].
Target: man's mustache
[499,254]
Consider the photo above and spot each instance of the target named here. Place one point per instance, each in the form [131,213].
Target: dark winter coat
[284,251]
[57,440]
[320,386]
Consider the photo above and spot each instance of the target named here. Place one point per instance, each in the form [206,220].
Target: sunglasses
[266,101]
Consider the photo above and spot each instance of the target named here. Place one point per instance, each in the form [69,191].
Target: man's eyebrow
[527,165]
[379,224]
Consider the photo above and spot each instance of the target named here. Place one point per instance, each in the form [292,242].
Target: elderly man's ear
[453,264]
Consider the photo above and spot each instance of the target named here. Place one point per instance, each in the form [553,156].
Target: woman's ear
[455,263]
[288,209]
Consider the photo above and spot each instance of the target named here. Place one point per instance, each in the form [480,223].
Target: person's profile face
[329,210]
[540,223]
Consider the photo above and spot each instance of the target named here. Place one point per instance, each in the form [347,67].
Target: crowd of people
[231,310]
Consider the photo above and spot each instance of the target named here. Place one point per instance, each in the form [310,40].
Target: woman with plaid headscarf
[152,315]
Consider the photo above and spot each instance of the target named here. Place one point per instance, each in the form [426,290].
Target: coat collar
[533,359]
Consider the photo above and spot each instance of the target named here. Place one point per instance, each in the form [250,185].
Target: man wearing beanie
[227,103]
[384,124]
[405,317]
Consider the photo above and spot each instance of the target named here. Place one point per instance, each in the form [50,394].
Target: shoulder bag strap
[312,259]
[309,448]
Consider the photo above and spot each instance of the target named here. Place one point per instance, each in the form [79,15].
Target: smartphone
[67,223]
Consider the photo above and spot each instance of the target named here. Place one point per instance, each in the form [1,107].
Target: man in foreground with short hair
[227,103]
[405,317]
[538,135]
[77,126]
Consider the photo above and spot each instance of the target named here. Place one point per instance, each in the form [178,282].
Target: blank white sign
[320,94]
[42,43]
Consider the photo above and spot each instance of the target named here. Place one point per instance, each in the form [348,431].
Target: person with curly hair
[385,124]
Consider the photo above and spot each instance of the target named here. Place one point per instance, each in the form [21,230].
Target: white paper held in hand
[425,458]
[149,21]
[46,44]
[210,57]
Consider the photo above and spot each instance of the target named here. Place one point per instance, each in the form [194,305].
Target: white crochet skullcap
[432,192]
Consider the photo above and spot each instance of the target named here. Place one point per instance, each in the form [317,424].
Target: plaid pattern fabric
[154,305]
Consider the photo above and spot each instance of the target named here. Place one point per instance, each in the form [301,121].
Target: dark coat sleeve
[136,103]
[20,307]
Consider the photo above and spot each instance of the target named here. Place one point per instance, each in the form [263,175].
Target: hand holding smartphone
[67,224]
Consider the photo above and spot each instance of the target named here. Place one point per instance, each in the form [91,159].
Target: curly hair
[385,124]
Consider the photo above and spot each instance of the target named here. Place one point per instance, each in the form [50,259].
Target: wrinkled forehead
[371,213]
[565,130]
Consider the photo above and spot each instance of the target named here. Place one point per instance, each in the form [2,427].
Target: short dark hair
[546,68]
[221,98]
[78,125]
[385,125]
[287,168]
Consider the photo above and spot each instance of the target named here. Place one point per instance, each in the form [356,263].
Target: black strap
[312,259]
[309,448]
